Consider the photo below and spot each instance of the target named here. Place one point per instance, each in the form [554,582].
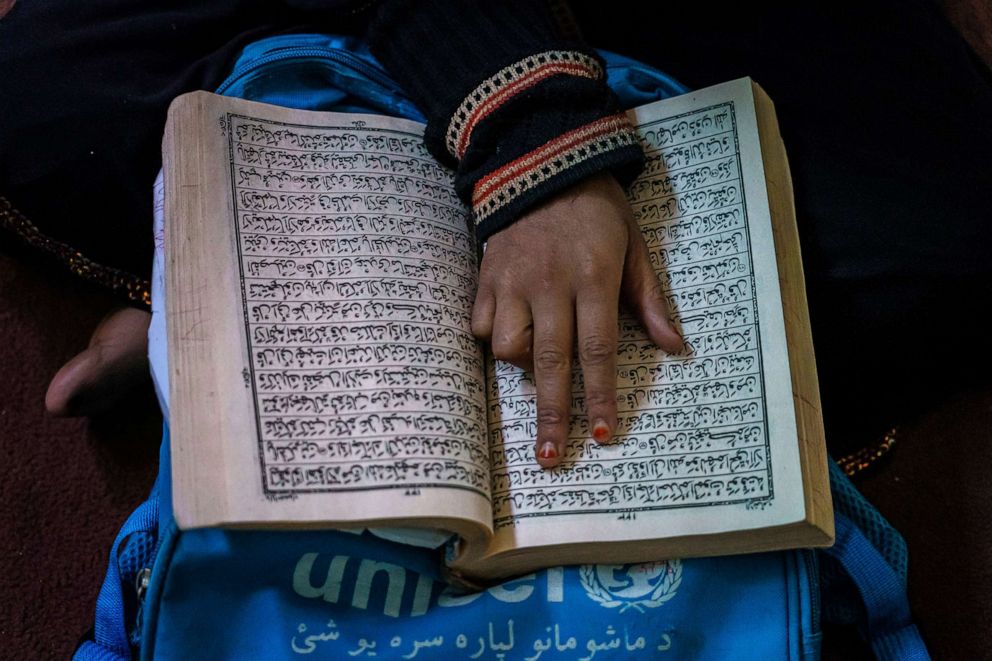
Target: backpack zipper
[296,52]
[813,571]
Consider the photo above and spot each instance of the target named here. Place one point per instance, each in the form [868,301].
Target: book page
[706,440]
[351,296]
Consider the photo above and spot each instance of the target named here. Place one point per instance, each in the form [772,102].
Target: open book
[321,274]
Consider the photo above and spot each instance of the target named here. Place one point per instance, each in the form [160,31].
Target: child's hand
[556,275]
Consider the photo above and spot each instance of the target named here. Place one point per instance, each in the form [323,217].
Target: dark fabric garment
[884,111]
[84,88]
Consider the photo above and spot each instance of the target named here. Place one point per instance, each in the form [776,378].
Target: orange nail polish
[548,451]
[601,431]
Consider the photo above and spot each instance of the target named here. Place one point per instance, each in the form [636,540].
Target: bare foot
[115,363]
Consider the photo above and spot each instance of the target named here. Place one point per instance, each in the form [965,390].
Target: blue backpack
[223,594]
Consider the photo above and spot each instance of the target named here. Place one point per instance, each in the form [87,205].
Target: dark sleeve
[517,105]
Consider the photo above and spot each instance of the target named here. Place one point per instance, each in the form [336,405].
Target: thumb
[643,294]
[111,368]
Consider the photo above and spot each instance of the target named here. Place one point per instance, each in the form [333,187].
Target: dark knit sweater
[514,100]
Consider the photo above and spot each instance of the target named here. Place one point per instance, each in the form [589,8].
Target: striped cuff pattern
[501,187]
[523,175]
[508,82]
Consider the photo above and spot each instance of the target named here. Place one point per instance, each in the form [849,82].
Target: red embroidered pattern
[508,82]
[566,151]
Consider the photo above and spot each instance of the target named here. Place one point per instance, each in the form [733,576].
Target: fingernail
[601,431]
[548,451]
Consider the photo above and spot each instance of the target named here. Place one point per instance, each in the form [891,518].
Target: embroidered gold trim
[858,462]
[134,288]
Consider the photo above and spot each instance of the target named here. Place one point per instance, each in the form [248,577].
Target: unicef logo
[641,586]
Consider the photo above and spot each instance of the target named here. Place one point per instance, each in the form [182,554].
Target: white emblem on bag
[646,585]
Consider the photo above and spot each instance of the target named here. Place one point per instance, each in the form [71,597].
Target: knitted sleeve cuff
[510,189]
[532,129]
[521,109]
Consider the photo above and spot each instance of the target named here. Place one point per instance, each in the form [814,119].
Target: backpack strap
[110,638]
[889,627]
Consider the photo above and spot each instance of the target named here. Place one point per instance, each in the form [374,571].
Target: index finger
[553,330]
